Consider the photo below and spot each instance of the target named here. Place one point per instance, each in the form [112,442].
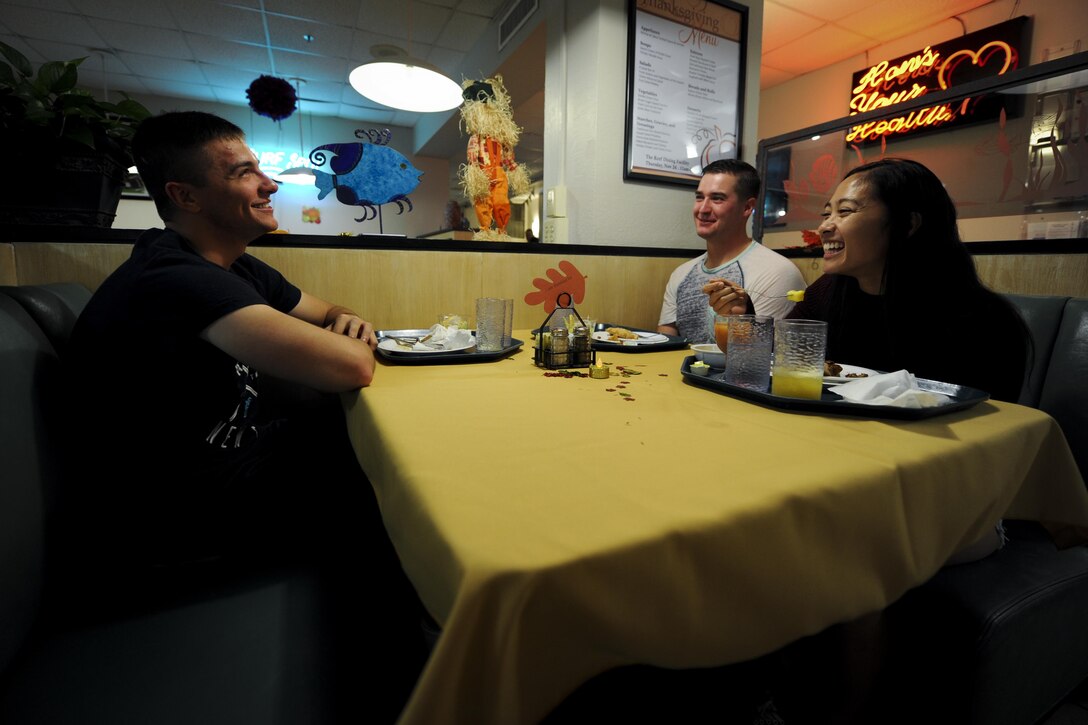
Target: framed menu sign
[685,87]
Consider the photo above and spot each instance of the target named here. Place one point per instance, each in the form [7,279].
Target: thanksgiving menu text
[686,81]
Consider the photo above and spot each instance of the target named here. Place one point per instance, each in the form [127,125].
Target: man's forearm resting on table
[293,349]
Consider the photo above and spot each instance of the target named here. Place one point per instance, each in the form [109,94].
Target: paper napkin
[899,389]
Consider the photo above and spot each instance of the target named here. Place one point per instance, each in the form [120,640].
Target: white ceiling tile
[169,69]
[115,83]
[463,32]
[105,62]
[822,9]
[62,6]
[331,12]
[230,77]
[484,8]
[32,54]
[63,51]
[241,56]
[770,77]
[50,25]
[153,13]
[205,17]
[142,39]
[366,117]
[232,96]
[822,47]
[933,35]
[196,91]
[885,19]
[362,41]
[311,67]
[781,25]
[326,91]
[383,17]
[448,61]
[426,28]
[328,40]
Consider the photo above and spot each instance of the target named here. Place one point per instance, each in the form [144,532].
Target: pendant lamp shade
[298,175]
[406,83]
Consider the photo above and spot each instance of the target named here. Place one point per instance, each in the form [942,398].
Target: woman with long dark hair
[899,288]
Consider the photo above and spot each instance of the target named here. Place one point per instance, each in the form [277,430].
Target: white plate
[644,338]
[846,369]
[391,346]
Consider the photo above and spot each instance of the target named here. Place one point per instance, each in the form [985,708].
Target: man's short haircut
[170,147]
[747,178]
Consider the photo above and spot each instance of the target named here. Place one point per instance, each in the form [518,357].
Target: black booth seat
[1003,640]
[219,642]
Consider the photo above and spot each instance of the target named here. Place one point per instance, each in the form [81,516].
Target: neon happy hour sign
[986,53]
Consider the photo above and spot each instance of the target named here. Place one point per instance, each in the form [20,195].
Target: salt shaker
[560,354]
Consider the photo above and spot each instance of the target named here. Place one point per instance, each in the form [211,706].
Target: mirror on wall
[1021,173]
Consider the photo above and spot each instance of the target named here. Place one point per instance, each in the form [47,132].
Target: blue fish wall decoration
[365,174]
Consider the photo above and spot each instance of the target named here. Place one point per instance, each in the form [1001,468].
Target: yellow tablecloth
[557,529]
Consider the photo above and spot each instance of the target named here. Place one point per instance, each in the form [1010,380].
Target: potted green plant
[69,151]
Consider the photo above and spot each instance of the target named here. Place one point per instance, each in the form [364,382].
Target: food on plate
[699,367]
[834,370]
[621,333]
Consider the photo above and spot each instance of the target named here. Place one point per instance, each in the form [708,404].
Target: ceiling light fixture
[398,80]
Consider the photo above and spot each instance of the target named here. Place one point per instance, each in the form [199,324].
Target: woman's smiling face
[856,234]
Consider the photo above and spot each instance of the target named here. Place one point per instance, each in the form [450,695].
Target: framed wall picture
[685,87]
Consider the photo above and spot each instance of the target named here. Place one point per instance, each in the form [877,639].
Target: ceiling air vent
[517,13]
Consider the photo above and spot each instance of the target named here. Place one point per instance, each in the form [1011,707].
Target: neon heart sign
[993,50]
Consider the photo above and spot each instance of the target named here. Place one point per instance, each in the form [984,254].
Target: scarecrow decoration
[491,173]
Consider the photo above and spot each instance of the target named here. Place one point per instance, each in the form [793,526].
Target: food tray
[962,397]
[408,357]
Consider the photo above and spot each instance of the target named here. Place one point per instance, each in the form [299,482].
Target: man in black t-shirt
[208,426]
[182,357]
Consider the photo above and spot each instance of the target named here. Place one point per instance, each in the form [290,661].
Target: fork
[411,341]
[794,295]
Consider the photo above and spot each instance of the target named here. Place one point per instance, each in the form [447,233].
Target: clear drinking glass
[507,322]
[721,331]
[748,356]
[490,323]
[799,353]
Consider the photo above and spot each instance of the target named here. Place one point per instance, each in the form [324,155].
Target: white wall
[585,107]
[428,199]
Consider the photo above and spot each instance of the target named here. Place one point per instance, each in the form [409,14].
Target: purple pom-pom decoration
[272,97]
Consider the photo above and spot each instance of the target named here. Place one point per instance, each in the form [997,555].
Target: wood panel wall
[406,288]
[8,275]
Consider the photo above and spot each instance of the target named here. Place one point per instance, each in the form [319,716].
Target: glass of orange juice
[799,352]
[721,331]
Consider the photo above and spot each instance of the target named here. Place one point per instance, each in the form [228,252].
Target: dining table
[559,526]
